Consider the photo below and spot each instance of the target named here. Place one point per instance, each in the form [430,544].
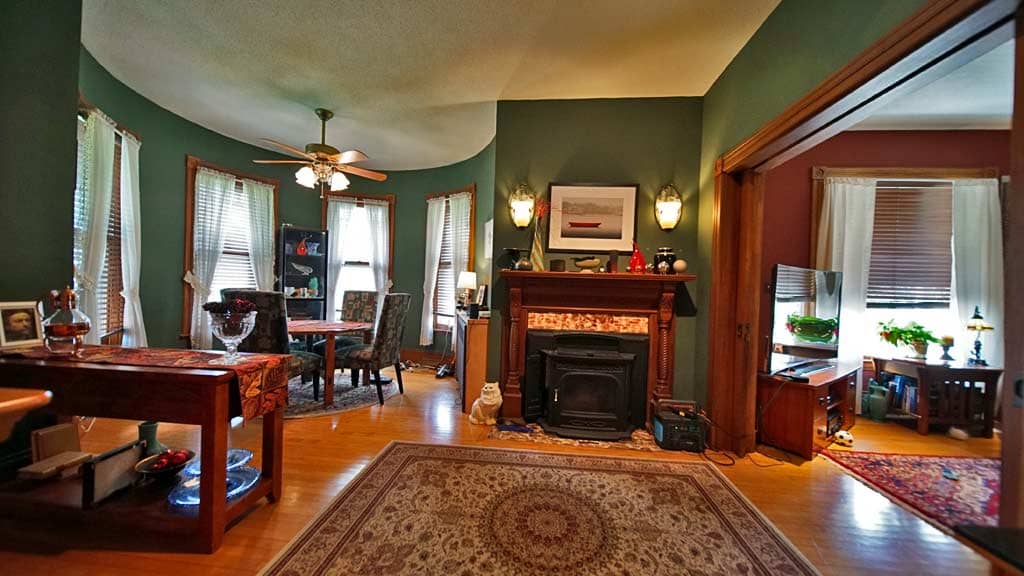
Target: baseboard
[421,356]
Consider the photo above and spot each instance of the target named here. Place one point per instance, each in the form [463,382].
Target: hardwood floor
[842,526]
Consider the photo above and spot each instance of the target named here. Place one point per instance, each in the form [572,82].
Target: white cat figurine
[485,408]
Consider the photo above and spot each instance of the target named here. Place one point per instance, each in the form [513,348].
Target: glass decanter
[65,329]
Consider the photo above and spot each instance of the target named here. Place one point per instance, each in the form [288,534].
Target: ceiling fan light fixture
[306,177]
[339,182]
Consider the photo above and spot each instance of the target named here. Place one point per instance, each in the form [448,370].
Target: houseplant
[913,334]
[812,328]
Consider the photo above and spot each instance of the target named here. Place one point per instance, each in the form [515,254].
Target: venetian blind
[794,284]
[911,247]
[234,269]
[445,293]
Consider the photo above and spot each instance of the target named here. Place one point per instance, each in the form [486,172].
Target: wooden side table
[470,357]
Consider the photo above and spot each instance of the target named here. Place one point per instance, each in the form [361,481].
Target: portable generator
[678,426]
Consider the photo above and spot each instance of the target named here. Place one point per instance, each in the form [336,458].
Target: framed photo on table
[592,217]
[20,324]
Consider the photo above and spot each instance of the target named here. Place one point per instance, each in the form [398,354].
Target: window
[456,238]
[360,230]
[234,269]
[355,271]
[109,284]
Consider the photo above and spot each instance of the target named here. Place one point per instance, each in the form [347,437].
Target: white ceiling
[976,96]
[413,83]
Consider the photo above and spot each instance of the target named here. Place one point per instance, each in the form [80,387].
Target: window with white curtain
[235,266]
[109,284]
[360,231]
[454,249]
[356,273]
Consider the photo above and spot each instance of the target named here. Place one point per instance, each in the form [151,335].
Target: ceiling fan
[324,164]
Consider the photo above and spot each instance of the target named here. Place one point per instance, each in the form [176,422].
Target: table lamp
[467,282]
[977,324]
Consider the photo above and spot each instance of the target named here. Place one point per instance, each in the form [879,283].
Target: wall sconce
[668,207]
[520,205]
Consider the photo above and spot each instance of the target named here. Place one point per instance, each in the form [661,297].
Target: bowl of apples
[164,464]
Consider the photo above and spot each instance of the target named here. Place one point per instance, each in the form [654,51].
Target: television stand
[803,417]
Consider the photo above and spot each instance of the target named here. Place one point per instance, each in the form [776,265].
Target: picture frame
[592,217]
[481,296]
[20,325]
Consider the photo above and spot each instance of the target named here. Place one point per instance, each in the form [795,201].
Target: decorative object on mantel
[977,324]
[913,334]
[587,264]
[521,206]
[572,514]
[663,260]
[485,408]
[668,207]
[324,164]
[946,342]
[557,265]
[231,322]
[66,328]
[613,262]
[679,266]
[537,249]
[637,264]
[592,217]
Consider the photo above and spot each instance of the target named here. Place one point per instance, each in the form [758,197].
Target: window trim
[359,199]
[192,165]
[471,249]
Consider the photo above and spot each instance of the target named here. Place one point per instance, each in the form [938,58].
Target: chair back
[270,335]
[387,343]
[359,306]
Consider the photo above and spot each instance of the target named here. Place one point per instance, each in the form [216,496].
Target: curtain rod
[85,108]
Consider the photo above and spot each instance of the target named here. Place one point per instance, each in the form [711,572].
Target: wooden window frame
[359,201]
[192,165]
[471,190]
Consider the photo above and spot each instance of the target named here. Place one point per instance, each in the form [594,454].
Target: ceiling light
[338,182]
[306,177]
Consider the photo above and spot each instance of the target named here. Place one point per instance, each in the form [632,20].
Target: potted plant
[812,328]
[916,336]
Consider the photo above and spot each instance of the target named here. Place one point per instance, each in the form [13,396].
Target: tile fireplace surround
[608,303]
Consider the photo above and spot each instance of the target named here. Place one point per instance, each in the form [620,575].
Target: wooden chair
[386,346]
[270,335]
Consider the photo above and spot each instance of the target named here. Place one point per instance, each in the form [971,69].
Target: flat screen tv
[805,317]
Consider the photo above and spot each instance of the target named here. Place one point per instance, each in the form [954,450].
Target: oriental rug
[945,490]
[301,403]
[450,510]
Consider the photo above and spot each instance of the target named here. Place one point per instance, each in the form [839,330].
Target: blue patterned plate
[236,457]
[185,496]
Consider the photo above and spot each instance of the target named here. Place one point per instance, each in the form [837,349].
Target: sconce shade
[467,281]
[521,204]
[668,207]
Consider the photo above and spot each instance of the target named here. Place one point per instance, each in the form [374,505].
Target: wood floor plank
[842,526]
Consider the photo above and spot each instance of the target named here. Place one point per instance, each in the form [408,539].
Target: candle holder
[945,353]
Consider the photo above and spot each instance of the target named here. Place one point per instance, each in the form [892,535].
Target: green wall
[800,44]
[649,142]
[39,90]
[168,138]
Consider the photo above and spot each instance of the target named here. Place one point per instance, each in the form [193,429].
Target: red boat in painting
[583,224]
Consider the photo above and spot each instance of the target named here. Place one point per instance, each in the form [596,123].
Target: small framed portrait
[481,296]
[20,324]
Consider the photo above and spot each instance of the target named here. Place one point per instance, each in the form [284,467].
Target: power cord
[732,461]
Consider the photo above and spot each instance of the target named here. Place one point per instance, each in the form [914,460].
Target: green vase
[147,433]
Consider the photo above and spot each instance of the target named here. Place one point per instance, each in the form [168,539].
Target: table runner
[262,378]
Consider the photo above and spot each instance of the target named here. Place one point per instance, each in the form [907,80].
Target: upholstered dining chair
[270,335]
[386,346]
[356,306]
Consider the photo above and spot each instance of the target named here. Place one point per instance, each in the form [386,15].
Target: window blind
[911,247]
[234,269]
[445,293]
[794,285]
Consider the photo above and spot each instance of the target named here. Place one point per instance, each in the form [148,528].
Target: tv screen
[805,316]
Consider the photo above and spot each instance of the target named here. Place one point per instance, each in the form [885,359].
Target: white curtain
[460,207]
[99,134]
[261,237]
[339,214]
[131,243]
[380,235]
[211,189]
[431,261]
[844,244]
[978,261]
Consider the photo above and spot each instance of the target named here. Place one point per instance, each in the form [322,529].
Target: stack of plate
[241,478]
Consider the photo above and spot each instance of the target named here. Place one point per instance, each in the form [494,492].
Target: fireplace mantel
[634,295]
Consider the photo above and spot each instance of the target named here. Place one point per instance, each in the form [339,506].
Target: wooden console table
[208,397]
[954,386]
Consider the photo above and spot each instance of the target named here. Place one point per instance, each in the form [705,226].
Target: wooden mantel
[650,295]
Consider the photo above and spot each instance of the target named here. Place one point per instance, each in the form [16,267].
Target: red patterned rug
[451,510]
[924,484]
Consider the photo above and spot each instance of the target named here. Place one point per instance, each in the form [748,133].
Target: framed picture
[481,296]
[20,324]
[592,217]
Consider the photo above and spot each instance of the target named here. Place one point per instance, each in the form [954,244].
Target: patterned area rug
[640,440]
[918,483]
[450,510]
[346,397]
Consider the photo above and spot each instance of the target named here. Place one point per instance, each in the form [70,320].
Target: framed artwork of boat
[592,217]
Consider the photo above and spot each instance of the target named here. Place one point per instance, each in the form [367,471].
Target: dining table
[330,330]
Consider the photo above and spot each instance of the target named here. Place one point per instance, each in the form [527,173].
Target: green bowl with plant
[812,328]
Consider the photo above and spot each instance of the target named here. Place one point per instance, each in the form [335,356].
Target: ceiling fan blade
[281,161]
[288,148]
[350,156]
[372,175]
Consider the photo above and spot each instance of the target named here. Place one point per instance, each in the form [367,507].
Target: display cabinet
[302,271]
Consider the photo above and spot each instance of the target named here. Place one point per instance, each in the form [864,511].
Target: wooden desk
[955,388]
[329,330]
[207,397]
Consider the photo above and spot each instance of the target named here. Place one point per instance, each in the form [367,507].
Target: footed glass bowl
[236,457]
